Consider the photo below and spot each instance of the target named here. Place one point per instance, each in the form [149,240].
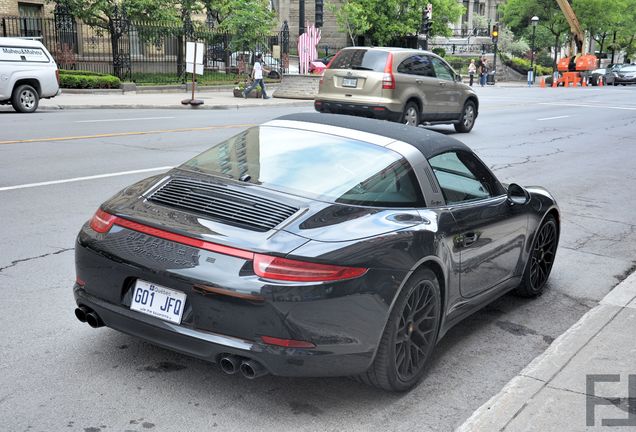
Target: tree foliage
[384,21]
[248,21]
[99,13]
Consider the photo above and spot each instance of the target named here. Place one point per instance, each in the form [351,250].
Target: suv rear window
[314,165]
[360,59]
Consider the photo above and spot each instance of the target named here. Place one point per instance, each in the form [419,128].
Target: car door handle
[469,238]
[442,83]
[419,81]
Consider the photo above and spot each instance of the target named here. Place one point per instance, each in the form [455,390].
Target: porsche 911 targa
[314,245]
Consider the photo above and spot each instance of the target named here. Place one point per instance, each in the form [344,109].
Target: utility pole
[495,38]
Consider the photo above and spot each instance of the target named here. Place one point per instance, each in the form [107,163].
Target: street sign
[194,58]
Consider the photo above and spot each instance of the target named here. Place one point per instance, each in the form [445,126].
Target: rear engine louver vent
[223,204]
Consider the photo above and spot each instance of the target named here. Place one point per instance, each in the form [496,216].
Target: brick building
[288,10]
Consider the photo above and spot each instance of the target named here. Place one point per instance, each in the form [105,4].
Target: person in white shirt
[257,78]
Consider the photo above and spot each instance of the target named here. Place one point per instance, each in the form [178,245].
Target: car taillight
[101,221]
[287,343]
[283,269]
[388,81]
[57,76]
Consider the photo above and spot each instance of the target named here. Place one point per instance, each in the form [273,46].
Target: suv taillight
[388,80]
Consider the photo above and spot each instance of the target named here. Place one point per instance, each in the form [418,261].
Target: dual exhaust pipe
[250,369]
[230,364]
[89,316]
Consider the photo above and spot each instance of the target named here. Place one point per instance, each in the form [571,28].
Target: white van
[27,74]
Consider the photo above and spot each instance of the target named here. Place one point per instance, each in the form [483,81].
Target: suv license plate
[350,82]
[158,301]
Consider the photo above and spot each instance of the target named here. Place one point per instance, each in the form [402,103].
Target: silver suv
[405,85]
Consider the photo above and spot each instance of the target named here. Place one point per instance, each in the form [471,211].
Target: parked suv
[405,85]
[27,74]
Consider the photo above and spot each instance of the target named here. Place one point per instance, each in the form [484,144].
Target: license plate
[350,82]
[158,301]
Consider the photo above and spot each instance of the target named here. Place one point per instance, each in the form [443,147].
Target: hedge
[80,72]
[78,81]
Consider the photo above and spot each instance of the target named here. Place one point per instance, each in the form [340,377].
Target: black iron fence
[146,51]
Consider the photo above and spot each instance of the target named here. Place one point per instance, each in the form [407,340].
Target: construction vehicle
[578,67]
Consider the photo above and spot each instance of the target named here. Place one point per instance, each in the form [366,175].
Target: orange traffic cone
[600,81]
[583,82]
[542,85]
[555,82]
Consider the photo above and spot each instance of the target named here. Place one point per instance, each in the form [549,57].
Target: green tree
[599,17]
[249,21]
[384,21]
[552,26]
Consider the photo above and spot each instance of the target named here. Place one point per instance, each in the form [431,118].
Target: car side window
[462,177]
[417,65]
[442,71]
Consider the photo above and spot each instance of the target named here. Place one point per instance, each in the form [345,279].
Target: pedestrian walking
[472,68]
[257,78]
[483,73]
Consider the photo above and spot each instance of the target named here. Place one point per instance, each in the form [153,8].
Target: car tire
[274,75]
[393,368]
[25,99]
[411,114]
[540,261]
[467,120]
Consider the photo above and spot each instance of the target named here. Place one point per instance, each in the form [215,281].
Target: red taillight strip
[287,343]
[201,244]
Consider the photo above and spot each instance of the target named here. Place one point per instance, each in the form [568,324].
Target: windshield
[314,165]
[360,59]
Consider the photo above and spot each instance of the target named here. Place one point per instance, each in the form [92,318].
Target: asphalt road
[57,374]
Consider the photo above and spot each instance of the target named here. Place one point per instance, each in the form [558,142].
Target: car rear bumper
[292,362]
[360,109]
[344,320]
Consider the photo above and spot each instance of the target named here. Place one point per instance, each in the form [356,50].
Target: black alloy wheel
[410,335]
[541,260]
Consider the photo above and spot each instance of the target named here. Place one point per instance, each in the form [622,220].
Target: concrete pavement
[219,100]
[581,382]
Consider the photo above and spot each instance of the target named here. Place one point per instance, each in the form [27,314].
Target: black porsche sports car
[314,245]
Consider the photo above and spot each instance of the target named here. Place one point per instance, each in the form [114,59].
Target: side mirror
[518,195]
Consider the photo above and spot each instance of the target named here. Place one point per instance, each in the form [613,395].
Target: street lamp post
[534,20]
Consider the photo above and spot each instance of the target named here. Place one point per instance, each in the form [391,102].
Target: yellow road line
[119,134]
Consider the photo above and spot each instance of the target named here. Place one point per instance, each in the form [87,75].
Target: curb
[175,106]
[497,413]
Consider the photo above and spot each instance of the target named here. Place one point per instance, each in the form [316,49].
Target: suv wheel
[411,114]
[467,120]
[25,99]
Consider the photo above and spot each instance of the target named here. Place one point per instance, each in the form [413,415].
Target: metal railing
[144,51]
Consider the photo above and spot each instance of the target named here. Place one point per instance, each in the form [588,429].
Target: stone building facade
[331,36]
[27,8]
[486,8]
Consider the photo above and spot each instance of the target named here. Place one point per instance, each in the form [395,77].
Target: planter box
[254,94]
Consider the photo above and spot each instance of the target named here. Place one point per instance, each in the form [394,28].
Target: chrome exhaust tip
[94,320]
[252,369]
[81,312]
[230,364]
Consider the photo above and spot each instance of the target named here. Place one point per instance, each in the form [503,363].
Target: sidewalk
[219,100]
[555,392]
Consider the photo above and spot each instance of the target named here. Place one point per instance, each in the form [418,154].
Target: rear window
[360,59]
[314,165]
